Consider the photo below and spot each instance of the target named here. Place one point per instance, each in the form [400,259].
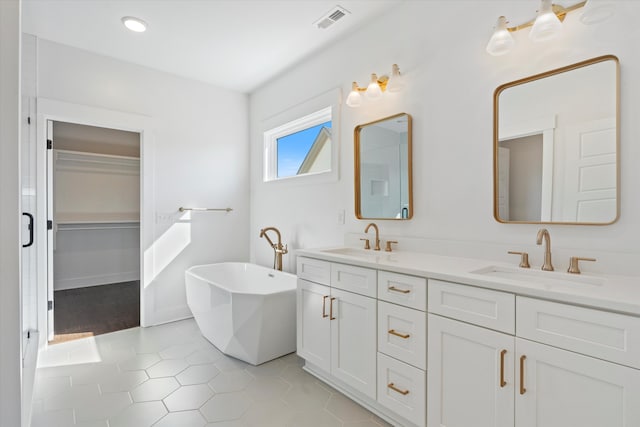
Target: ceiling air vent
[331,17]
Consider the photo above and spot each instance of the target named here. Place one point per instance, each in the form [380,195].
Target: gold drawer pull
[522,389]
[502,381]
[398,334]
[402,291]
[397,390]
[324,303]
[331,309]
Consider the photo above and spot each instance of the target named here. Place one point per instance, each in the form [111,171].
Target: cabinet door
[562,389]
[353,341]
[313,325]
[470,373]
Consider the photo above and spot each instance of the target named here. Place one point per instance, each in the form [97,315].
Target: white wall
[525,177]
[198,144]
[440,48]
[10,301]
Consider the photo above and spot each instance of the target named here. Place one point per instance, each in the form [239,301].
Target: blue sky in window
[292,149]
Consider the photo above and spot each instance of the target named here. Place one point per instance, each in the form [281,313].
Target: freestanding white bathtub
[245,310]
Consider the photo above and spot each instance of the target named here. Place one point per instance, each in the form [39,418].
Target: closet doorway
[93,204]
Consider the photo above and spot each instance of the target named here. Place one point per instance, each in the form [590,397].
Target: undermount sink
[550,278]
[354,252]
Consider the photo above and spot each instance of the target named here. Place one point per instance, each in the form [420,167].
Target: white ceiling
[235,44]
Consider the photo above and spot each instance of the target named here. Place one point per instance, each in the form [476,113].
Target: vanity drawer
[402,333]
[314,270]
[482,307]
[402,289]
[350,278]
[403,389]
[609,336]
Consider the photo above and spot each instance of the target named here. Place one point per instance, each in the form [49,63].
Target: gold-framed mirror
[556,146]
[382,165]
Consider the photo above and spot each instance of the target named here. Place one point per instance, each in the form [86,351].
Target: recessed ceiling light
[134,24]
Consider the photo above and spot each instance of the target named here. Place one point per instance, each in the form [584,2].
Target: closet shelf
[97,218]
[104,163]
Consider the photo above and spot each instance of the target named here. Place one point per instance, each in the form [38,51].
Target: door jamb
[49,109]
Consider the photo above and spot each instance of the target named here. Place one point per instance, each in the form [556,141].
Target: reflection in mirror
[556,146]
[383,169]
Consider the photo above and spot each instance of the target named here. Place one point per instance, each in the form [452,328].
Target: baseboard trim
[103,279]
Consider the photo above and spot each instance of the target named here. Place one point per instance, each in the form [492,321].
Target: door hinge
[49,224]
[49,305]
[49,144]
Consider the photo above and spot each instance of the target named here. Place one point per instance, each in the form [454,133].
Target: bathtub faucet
[278,249]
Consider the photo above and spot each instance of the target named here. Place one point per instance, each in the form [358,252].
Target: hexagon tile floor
[170,376]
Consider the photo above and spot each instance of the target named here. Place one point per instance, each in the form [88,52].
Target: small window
[300,147]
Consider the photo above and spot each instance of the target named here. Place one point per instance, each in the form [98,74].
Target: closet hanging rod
[109,227]
[182,209]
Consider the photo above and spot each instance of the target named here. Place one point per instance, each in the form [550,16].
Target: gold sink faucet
[375,227]
[278,249]
[543,233]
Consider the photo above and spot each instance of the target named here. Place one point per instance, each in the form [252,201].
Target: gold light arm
[560,11]
[382,82]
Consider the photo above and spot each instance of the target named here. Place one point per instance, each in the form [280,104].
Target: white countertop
[615,293]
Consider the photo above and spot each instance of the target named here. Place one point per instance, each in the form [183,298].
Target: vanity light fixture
[501,41]
[378,85]
[547,24]
[134,24]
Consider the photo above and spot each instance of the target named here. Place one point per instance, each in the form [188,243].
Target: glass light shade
[373,90]
[396,81]
[354,99]
[547,25]
[596,11]
[134,24]
[501,41]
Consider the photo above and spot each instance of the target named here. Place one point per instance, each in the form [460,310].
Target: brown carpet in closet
[95,310]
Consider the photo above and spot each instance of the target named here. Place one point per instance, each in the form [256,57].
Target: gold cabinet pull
[502,381]
[324,303]
[397,390]
[331,309]
[522,389]
[398,334]
[402,291]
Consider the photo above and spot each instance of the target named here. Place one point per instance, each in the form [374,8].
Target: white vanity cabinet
[402,345]
[470,375]
[482,377]
[364,332]
[313,325]
[561,388]
[336,328]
